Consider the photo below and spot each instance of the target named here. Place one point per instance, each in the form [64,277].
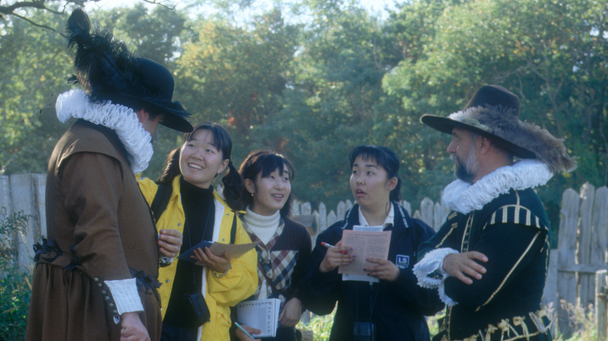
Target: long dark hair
[233,183]
[265,162]
[384,157]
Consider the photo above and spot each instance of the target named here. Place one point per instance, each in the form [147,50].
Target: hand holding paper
[205,257]
[382,269]
[367,245]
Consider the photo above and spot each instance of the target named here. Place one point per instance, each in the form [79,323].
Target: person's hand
[219,264]
[132,328]
[241,336]
[382,269]
[463,266]
[170,242]
[336,256]
[292,311]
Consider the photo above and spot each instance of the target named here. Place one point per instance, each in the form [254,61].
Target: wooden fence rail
[575,268]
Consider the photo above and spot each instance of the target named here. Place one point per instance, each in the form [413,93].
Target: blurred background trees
[314,78]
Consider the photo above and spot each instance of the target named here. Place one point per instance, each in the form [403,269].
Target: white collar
[464,197]
[261,221]
[390,218]
[121,119]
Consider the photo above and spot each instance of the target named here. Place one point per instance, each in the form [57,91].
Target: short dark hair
[265,162]
[385,158]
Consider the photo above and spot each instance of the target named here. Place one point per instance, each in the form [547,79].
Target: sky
[374,6]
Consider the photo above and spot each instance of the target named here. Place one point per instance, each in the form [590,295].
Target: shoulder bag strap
[161,199]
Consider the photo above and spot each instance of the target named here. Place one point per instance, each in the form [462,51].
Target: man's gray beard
[467,170]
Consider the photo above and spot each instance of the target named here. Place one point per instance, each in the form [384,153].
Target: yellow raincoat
[220,293]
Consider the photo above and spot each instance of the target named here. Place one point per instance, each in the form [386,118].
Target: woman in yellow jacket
[200,213]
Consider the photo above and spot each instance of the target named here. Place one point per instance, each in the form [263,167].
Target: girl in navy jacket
[390,298]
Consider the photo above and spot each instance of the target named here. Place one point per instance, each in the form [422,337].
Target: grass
[582,319]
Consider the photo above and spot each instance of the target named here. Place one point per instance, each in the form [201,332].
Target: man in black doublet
[489,259]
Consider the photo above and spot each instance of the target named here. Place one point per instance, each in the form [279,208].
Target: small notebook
[260,314]
[234,250]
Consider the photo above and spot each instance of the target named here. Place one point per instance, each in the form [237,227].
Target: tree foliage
[332,77]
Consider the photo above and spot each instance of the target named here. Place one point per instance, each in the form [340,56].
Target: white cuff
[430,272]
[124,292]
[165,261]
[445,298]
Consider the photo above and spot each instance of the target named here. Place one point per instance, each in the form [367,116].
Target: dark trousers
[172,333]
[283,334]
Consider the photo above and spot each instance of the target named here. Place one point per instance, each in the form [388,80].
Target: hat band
[461,116]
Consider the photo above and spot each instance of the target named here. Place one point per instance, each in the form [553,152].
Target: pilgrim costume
[502,217]
[101,257]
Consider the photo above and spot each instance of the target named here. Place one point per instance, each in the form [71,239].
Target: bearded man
[95,275]
[489,259]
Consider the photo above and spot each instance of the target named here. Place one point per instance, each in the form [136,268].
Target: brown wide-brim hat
[493,112]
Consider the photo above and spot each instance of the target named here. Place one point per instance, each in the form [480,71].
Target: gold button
[103,292]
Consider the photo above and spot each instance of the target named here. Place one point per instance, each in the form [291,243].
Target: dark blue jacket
[397,308]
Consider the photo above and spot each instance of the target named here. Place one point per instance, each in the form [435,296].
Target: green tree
[236,76]
[35,68]
[551,54]
[14,10]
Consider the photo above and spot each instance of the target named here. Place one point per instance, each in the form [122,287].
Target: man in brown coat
[95,277]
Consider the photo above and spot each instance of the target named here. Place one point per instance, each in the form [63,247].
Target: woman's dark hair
[233,183]
[265,162]
[385,158]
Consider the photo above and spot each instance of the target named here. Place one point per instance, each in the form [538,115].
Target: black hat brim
[174,114]
[446,125]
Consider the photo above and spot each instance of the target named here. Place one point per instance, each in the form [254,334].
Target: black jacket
[399,306]
[512,231]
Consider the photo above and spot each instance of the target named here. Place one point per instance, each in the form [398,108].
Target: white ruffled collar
[463,197]
[121,119]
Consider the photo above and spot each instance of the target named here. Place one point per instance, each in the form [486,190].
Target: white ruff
[464,198]
[121,119]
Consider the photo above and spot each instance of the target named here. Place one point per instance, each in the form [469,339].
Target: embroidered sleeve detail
[515,214]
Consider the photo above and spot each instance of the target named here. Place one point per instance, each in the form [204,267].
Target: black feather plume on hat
[106,71]
[103,65]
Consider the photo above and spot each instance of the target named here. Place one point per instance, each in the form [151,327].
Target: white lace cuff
[445,298]
[431,275]
[124,292]
[429,270]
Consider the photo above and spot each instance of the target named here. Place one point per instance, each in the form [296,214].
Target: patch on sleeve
[403,261]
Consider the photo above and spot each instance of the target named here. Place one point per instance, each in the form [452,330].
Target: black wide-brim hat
[152,88]
[107,71]
[493,112]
